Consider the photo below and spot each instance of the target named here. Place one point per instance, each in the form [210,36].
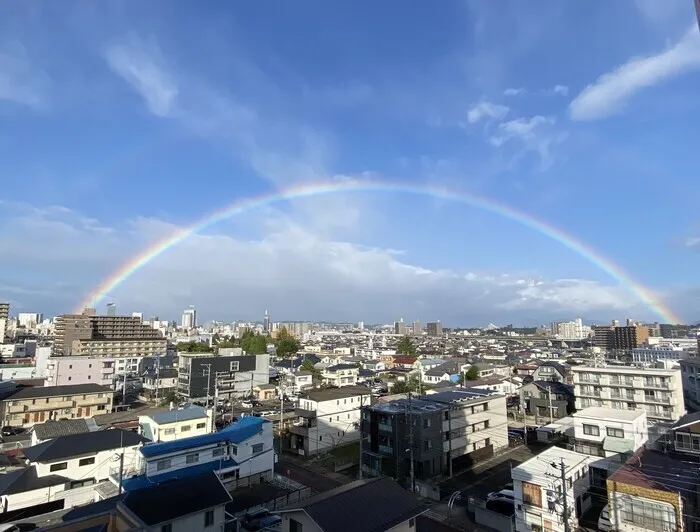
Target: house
[241,454]
[177,423]
[23,407]
[547,399]
[300,380]
[374,504]
[551,371]
[340,375]
[608,432]
[193,503]
[327,419]
[690,378]
[685,434]
[659,392]
[64,471]
[159,383]
[654,491]
[265,392]
[540,493]
[404,361]
[49,430]
[448,371]
[497,383]
[373,365]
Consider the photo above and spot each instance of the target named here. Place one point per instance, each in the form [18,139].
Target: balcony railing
[385,449]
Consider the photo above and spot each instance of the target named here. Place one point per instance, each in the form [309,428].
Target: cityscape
[349,266]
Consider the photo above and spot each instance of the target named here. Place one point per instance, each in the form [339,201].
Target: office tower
[435,328]
[266,322]
[626,338]
[89,334]
[111,309]
[417,328]
[189,318]
[399,327]
[361,325]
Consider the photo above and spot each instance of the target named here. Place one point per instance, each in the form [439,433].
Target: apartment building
[202,375]
[118,336]
[608,432]
[177,423]
[23,407]
[340,375]
[434,328]
[540,492]
[4,311]
[327,419]
[658,392]
[690,377]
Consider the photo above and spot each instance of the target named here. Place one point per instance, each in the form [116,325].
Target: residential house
[685,434]
[508,386]
[300,380]
[241,454]
[23,407]
[448,371]
[327,419]
[193,503]
[523,370]
[547,399]
[540,494]
[340,375]
[655,491]
[159,383]
[690,378]
[50,430]
[552,371]
[404,361]
[608,432]
[659,392]
[387,359]
[265,392]
[176,423]
[65,471]
[373,365]
[377,504]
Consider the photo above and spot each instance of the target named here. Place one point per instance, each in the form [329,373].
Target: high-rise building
[603,336]
[361,325]
[417,328]
[89,334]
[138,315]
[266,322]
[189,318]
[4,311]
[29,320]
[435,328]
[399,327]
[629,337]
[111,309]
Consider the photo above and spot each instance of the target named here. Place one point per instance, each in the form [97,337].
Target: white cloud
[19,81]
[291,270]
[561,89]
[485,110]
[609,94]
[534,134]
[692,242]
[520,128]
[514,92]
[142,66]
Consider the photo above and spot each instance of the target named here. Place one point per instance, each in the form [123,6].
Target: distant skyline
[122,131]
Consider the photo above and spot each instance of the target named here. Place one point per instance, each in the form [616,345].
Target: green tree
[286,344]
[308,365]
[194,347]
[405,347]
[169,397]
[472,374]
[254,343]
[410,385]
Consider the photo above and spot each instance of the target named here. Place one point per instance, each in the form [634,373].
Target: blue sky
[124,121]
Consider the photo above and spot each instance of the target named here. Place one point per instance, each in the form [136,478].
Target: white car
[246,404]
[503,495]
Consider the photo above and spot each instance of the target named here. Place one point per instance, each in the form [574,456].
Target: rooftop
[54,391]
[541,465]
[26,479]
[399,406]
[460,396]
[237,432]
[330,394]
[384,505]
[643,470]
[65,427]
[182,414]
[81,444]
[625,369]
[613,414]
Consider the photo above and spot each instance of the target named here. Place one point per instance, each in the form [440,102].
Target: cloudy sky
[125,122]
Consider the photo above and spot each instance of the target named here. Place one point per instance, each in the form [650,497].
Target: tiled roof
[65,427]
[79,444]
[55,391]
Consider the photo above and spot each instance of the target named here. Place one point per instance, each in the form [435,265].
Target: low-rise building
[300,380]
[25,406]
[378,505]
[177,423]
[540,492]
[159,383]
[690,379]
[608,432]
[340,375]
[451,370]
[327,419]
[50,430]
[547,400]
[241,454]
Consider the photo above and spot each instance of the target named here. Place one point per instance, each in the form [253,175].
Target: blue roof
[142,481]
[185,414]
[235,433]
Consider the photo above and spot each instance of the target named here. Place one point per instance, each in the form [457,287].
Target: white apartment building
[340,375]
[328,419]
[176,424]
[539,493]
[29,320]
[608,432]
[690,376]
[572,330]
[64,370]
[659,392]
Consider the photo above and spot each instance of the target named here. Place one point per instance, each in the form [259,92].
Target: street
[305,475]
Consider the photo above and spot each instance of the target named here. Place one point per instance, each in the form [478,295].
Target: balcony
[91,401]
[132,471]
[385,449]
[106,371]
[301,412]
[386,427]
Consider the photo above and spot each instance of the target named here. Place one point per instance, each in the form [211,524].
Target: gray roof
[336,393]
[460,395]
[383,504]
[183,414]
[81,444]
[26,479]
[65,427]
[687,419]
[55,391]
[451,367]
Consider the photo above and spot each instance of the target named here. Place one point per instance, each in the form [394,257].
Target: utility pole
[279,454]
[565,499]
[121,471]
[549,397]
[208,366]
[409,417]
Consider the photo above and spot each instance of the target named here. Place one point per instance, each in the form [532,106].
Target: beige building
[26,406]
[89,334]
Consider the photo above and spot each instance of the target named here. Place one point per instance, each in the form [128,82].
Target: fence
[10,446]
[486,517]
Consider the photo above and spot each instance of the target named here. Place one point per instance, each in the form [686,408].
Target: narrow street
[305,475]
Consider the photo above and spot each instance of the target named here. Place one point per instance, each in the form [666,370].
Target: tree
[472,374]
[405,347]
[286,344]
[194,347]
[254,343]
[308,365]
[410,385]
[169,397]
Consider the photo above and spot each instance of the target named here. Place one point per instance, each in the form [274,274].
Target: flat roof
[541,464]
[461,395]
[614,414]
[625,369]
[328,394]
[416,406]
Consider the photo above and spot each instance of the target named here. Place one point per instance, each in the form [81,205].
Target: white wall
[174,431]
[635,430]
[335,421]
[99,470]
[61,371]
[195,522]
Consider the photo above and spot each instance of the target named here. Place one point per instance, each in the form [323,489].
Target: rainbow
[128,268]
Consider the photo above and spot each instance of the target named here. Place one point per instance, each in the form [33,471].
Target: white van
[604,523]
[503,495]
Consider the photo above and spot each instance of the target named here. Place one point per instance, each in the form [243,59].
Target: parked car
[604,523]
[11,431]
[246,404]
[503,495]
[257,518]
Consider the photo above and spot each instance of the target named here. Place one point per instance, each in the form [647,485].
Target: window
[192,458]
[295,526]
[411,522]
[257,448]
[532,494]
[185,428]
[591,430]
[234,450]
[426,423]
[86,461]
[169,431]
[615,433]
[234,365]
[209,518]
[201,426]
[218,452]
[163,464]
[58,467]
